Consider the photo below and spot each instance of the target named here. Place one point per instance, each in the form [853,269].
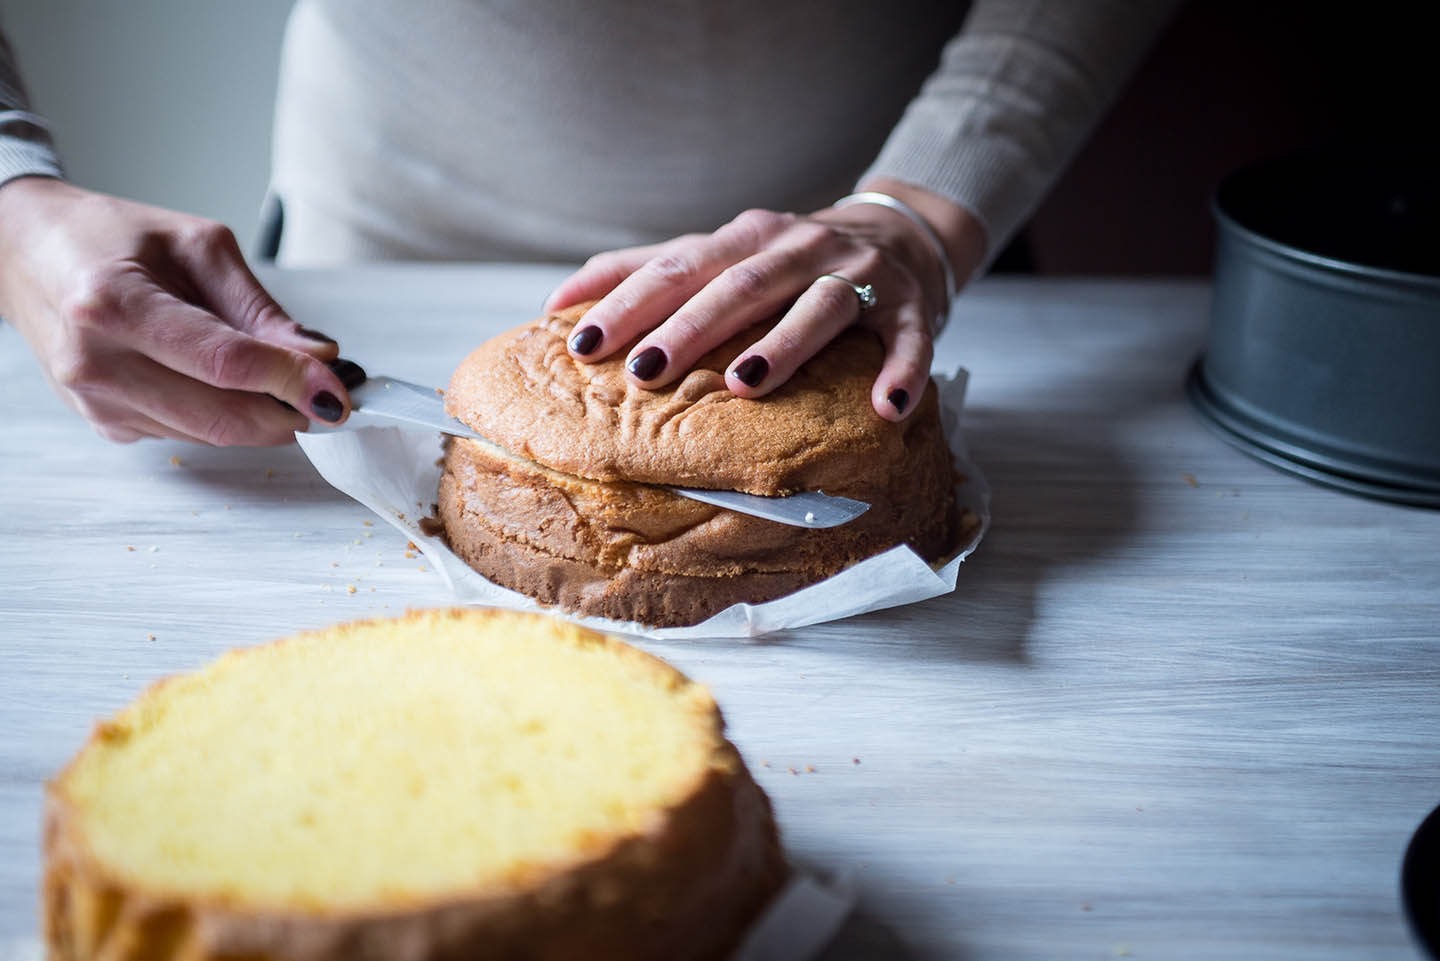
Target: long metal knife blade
[803,509]
[386,400]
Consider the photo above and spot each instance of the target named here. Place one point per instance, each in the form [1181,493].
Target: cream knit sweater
[551,129]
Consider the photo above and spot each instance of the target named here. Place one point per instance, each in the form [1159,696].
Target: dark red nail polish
[351,374]
[752,370]
[898,399]
[586,339]
[326,406]
[315,335]
[648,364]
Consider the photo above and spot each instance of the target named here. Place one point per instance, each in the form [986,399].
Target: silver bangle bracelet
[900,207]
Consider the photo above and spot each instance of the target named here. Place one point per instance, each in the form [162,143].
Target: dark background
[1227,84]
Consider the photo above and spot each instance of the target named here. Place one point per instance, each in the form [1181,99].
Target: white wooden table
[1180,706]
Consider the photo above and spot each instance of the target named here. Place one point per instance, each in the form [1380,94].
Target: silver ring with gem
[865,294]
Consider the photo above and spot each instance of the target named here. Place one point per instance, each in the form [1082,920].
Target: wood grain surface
[1179,706]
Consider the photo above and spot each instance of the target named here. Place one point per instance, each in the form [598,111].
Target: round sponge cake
[450,784]
[561,500]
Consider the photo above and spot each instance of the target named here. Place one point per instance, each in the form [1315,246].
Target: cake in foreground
[452,784]
[560,502]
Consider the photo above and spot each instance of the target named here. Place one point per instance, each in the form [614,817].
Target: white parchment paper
[393,472]
[803,918]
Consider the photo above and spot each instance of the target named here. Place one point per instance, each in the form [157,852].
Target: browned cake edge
[654,599]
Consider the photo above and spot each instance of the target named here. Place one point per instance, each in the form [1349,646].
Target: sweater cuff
[25,148]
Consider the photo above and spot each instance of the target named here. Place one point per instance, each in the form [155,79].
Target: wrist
[23,203]
[17,189]
[960,232]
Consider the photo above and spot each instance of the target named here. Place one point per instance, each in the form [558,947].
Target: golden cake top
[818,431]
[389,763]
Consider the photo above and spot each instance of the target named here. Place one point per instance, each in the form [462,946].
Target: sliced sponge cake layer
[446,784]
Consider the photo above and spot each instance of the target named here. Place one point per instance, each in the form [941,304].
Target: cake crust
[561,500]
[632,552]
[685,888]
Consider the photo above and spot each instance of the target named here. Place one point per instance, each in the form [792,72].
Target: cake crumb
[149,637]
[175,459]
[368,523]
[349,588]
[410,546]
[854,760]
[431,526]
[1190,479]
[129,547]
[1084,907]
[809,517]
[369,534]
[1121,950]
[792,770]
[764,763]
[409,554]
[423,567]
[269,473]
[334,563]
[227,507]
[358,541]
[372,590]
[809,769]
[949,880]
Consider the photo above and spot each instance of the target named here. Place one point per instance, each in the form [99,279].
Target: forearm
[25,145]
[1015,95]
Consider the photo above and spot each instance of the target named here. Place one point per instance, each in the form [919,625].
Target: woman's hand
[696,291]
[150,324]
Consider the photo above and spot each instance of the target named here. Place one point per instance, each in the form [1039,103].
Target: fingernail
[326,406]
[351,374]
[648,364]
[586,339]
[752,370]
[315,335]
[898,398]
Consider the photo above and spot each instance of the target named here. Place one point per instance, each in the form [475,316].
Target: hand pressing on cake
[150,324]
[689,295]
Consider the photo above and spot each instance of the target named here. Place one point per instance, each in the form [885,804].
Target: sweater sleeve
[25,145]
[1016,92]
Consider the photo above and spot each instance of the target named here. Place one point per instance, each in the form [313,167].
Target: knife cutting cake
[451,784]
[565,500]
